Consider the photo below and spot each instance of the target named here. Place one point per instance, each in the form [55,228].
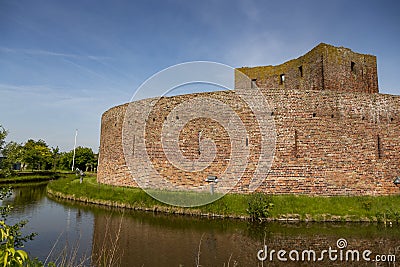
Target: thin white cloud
[38,52]
[44,95]
[41,96]
[107,78]
[24,89]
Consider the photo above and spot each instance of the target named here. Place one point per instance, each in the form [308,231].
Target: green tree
[55,154]
[85,159]
[37,154]
[13,154]
[3,169]
[3,135]
[63,162]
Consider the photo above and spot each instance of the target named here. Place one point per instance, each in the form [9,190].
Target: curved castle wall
[328,142]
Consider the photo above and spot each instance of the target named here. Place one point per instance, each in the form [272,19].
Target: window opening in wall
[282,78]
[199,137]
[379,144]
[247,141]
[301,71]
[314,115]
[133,146]
[352,66]
[254,83]
[295,143]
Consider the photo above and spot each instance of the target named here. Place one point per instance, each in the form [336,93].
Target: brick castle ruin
[335,133]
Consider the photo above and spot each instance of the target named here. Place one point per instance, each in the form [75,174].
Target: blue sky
[63,63]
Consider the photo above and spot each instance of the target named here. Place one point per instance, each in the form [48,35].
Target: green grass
[25,177]
[350,208]
[286,207]
[90,189]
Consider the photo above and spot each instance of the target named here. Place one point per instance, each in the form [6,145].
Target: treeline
[37,155]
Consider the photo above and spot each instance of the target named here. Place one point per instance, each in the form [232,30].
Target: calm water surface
[147,239]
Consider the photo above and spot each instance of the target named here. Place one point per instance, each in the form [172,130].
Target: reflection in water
[58,226]
[160,240]
[146,239]
[25,196]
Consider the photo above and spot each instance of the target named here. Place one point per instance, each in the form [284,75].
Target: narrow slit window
[352,66]
[301,71]
[133,146]
[199,141]
[379,145]
[282,78]
[295,144]
[254,83]
[247,141]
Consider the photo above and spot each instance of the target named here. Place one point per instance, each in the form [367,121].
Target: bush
[366,205]
[389,215]
[11,237]
[259,206]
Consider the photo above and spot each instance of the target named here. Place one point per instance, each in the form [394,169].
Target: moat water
[86,233]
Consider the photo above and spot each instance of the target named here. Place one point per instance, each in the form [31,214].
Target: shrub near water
[260,206]
[11,237]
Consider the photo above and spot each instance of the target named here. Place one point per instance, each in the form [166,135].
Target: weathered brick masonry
[335,134]
[323,68]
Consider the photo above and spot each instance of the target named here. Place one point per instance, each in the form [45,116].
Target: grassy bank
[285,207]
[35,176]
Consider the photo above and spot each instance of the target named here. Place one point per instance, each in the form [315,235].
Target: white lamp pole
[73,158]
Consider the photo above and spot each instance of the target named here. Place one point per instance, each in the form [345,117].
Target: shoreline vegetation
[31,176]
[258,207]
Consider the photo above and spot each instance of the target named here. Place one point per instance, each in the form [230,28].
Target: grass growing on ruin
[285,207]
